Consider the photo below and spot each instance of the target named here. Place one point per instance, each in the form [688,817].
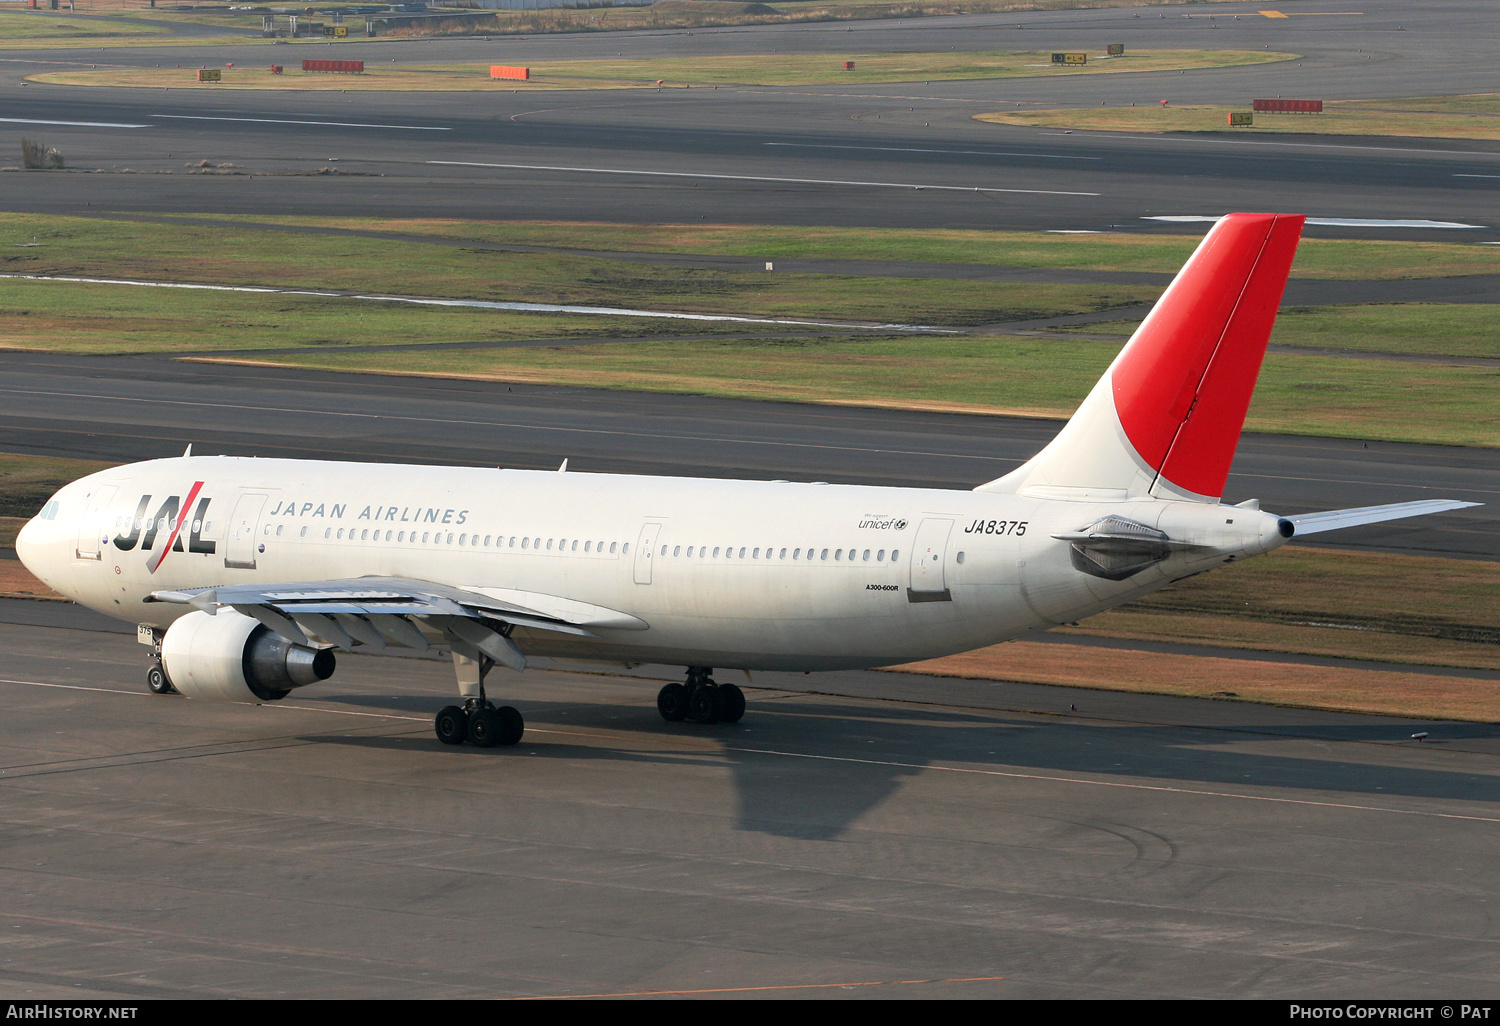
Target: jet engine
[230,657]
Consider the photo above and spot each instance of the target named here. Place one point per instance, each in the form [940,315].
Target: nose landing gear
[701,699]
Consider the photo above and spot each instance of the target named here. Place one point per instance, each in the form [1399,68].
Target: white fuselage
[744,574]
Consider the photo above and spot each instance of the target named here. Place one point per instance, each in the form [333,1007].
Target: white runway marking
[1475,176]
[1336,222]
[484,304]
[759,178]
[917,149]
[70,124]
[289,121]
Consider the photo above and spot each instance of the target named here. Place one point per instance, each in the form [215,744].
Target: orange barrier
[505,71]
[346,67]
[1290,106]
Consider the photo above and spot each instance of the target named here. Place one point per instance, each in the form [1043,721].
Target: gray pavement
[978,837]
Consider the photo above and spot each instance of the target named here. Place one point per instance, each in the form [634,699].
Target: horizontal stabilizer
[1335,519]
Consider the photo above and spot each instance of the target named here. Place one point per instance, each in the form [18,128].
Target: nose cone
[27,546]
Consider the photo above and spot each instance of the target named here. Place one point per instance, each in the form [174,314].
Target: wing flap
[369,611]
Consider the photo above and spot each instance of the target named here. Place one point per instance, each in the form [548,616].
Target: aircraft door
[645,553]
[93,528]
[929,562]
[239,553]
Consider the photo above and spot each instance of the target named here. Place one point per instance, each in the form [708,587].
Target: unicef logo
[900,525]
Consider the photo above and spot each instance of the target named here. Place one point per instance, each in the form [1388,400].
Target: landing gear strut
[702,699]
[478,720]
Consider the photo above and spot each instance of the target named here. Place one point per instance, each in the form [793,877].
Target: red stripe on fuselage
[182,517]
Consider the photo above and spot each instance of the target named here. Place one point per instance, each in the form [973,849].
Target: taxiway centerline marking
[918,149]
[486,304]
[290,121]
[760,178]
[71,124]
[505,424]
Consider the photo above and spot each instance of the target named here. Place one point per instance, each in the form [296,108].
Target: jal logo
[165,524]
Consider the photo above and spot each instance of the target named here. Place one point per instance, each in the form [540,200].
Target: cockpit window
[49,511]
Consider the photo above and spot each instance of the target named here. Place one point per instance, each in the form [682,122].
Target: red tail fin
[1166,418]
[1183,384]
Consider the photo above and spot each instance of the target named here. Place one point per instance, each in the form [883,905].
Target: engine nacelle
[231,657]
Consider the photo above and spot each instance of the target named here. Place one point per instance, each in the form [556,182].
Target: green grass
[785,69]
[1344,398]
[159,252]
[81,318]
[26,26]
[1350,259]
[1430,329]
[1447,117]
[27,482]
[1353,605]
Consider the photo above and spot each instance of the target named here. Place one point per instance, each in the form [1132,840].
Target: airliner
[245,576]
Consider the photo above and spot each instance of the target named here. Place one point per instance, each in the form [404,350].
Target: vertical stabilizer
[1166,417]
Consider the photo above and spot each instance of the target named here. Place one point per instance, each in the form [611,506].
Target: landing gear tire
[732,703]
[705,705]
[512,726]
[451,724]
[672,703]
[156,681]
[484,728]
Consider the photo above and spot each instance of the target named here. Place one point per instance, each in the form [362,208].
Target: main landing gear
[479,722]
[701,699]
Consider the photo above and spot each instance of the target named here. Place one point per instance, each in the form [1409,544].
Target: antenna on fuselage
[564,468]
[189,450]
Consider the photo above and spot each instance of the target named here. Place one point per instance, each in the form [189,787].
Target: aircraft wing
[373,612]
[1333,520]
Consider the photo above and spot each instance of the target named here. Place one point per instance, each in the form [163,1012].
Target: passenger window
[676,551]
[327,531]
[690,552]
[895,555]
[663,550]
[612,547]
[302,535]
[625,549]
[867,555]
[525,543]
[742,552]
[586,546]
[575,546]
[716,552]
[278,530]
[549,544]
[960,557]
[341,532]
[838,553]
[880,555]
[756,553]
[825,553]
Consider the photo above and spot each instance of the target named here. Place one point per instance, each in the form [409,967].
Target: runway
[788,155]
[884,835]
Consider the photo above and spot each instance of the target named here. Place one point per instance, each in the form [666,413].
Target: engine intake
[230,657]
